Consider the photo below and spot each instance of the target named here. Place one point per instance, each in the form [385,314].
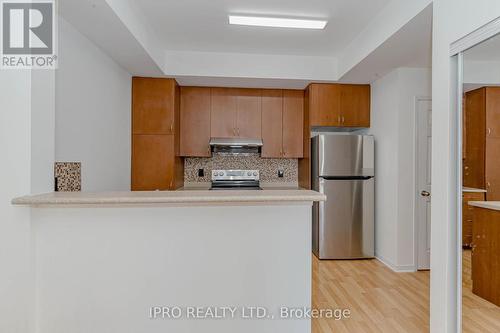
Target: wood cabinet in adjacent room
[468,215]
[486,254]
[195,121]
[482,141]
[282,123]
[156,161]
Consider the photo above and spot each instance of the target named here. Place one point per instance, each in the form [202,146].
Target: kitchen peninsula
[103,260]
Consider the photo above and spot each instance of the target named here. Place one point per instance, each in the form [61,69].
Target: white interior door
[423,182]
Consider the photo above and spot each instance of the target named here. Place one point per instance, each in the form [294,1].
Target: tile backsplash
[268,167]
[68,176]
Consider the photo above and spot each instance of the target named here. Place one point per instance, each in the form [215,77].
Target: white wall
[93,112]
[392,124]
[15,179]
[453,19]
[480,73]
[384,110]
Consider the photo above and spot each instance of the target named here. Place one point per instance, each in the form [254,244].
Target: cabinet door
[493,168]
[481,268]
[272,127]
[195,121]
[324,104]
[493,112]
[152,162]
[249,116]
[475,122]
[293,122]
[223,113]
[355,105]
[153,103]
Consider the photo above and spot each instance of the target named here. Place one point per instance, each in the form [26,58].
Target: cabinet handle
[343,119]
[238,131]
[489,131]
[284,153]
[172,128]
[171,184]
[234,131]
[339,120]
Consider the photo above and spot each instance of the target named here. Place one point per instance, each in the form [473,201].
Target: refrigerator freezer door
[343,226]
[342,155]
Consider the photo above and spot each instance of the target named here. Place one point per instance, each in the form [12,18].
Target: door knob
[425,194]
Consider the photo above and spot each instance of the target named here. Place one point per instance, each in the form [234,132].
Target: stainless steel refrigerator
[343,169]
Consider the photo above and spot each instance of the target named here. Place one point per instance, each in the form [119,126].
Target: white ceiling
[411,46]
[486,51]
[201,25]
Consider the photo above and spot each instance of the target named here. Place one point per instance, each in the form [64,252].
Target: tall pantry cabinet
[156,161]
[481,138]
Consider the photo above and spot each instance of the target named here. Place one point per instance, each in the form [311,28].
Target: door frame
[457,50]
[416,197]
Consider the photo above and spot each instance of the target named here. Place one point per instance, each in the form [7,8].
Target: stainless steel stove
[235,180]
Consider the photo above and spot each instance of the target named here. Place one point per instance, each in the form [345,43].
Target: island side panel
[101,269]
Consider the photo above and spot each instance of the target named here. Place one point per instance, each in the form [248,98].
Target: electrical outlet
[201,173]
[281,173]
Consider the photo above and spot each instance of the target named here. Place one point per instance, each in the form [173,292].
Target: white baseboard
[396,268]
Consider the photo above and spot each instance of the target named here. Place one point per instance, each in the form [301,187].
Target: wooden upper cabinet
[282,123]
[324,104]
[195,121]
[492,169]
[272,123]
[293,122]
[355,105]
[249,113]
[152,162]
[223,113]
[153,105]
[475,140]
[339,105]
[493,114]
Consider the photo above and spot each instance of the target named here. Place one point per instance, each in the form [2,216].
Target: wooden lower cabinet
[467,215]
[155,164]
[486,254]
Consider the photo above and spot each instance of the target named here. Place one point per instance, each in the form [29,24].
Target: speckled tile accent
[268,167]
[68,176]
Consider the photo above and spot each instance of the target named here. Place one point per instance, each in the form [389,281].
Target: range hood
[235,146]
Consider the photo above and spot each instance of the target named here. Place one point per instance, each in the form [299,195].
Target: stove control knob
[255,173]
[249,173]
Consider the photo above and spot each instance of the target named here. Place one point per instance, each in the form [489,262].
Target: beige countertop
[202,197]
[473,190]
[495,205]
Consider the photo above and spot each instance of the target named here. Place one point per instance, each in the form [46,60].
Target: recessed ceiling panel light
[276,22]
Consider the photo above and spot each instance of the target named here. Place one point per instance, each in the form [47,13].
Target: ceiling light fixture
[276,22]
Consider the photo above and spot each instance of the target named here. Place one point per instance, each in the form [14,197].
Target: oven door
[235,185]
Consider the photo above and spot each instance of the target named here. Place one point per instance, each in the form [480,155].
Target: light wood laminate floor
[380,300]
